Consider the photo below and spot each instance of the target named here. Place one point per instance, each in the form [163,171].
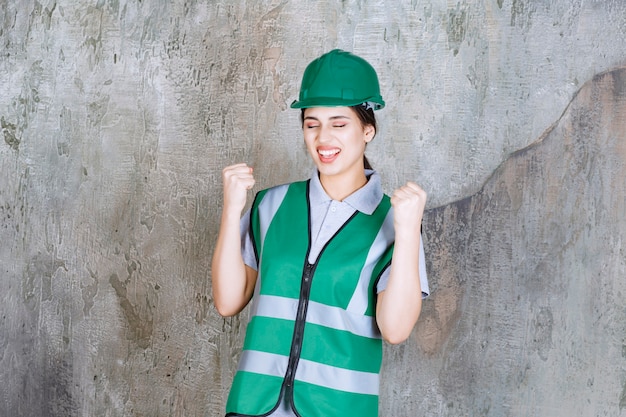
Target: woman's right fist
[238,179]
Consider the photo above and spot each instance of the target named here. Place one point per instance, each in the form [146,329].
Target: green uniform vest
[312,334]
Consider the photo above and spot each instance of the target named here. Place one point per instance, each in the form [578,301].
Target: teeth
[327,153]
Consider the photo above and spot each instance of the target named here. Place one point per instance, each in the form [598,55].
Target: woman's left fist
[408,204]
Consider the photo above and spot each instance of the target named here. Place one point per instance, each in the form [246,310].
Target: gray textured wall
[117,117]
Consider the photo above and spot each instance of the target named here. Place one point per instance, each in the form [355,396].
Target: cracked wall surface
[117,117]
[528,315]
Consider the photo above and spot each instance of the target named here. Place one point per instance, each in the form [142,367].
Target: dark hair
[366,116]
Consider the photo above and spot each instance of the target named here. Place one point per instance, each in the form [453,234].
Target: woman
[333,265]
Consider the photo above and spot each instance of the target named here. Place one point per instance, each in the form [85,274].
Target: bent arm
[399,305]
[233,281]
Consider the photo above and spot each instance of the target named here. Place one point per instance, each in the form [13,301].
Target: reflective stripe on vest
[285,308]
[311,372]
[312,332]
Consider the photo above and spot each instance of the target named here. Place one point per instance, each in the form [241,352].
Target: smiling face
[336,139]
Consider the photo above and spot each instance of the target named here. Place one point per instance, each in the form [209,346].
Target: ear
[369,131]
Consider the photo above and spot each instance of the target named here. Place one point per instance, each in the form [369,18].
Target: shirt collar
[365,199]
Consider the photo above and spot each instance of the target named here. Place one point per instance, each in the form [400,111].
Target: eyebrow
[330,118]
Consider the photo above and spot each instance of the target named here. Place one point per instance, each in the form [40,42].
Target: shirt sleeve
[384,278]
[247,249]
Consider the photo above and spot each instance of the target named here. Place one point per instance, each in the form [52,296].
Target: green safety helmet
[339,78]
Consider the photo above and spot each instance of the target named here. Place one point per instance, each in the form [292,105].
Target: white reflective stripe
[359,301]
[268,207]
[340,319]
[317,313]
[310,372]
[337,378]
[263,363]
[277,307]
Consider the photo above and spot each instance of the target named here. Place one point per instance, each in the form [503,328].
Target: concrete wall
[118,116]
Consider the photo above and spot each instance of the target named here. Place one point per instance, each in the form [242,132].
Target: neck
[338,188]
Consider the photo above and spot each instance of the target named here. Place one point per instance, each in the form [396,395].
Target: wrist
[231,215]
[410,235]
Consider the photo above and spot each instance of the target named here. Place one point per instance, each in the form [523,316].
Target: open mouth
[328,155]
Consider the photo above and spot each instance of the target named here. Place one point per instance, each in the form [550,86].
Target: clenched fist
[238,179]
[408,204]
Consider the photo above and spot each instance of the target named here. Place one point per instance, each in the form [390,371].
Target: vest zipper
[303,304]
[298,333]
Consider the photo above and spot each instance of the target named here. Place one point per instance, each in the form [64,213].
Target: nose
[325,134]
